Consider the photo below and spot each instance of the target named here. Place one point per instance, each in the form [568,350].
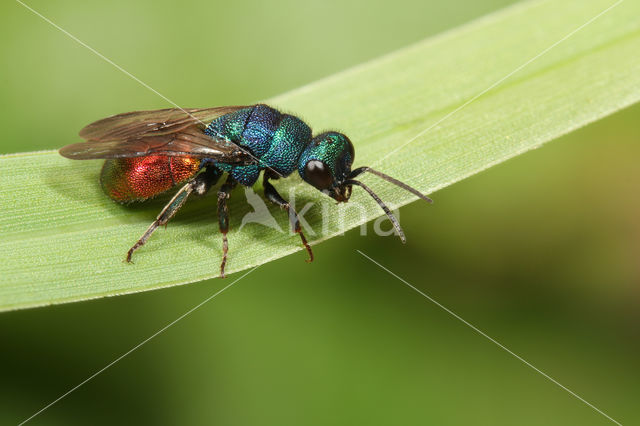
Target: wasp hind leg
[223,218]
[200,185]
[272,195]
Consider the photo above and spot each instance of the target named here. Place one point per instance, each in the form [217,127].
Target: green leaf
[466,100]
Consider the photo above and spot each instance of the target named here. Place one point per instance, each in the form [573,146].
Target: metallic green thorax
[280,143]
[275,139]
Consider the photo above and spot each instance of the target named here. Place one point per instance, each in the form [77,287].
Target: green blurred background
[541,253]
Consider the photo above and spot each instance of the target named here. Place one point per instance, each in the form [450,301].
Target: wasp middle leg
[272,195]
[223,217]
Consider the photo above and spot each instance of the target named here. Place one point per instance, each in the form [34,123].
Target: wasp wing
[133,125]
[190,141]
[173,132]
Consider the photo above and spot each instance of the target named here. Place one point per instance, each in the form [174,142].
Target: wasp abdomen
[139,178]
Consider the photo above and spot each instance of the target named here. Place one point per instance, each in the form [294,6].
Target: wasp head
[326,164]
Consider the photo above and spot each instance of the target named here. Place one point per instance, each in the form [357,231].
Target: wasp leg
[200,185]
[223,218]
[272,195]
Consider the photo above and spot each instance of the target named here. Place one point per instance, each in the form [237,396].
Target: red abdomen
[140,178]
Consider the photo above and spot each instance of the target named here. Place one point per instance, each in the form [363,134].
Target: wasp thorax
[326,162]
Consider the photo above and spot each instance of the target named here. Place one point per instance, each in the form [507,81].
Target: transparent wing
[189,141]
[133,125]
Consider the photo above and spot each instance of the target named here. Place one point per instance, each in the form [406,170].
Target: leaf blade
[63,239]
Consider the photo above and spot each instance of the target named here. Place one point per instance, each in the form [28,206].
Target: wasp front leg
[223,218]
[200,185]
[272,195]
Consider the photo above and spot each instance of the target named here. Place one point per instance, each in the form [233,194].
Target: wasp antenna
[388,178]
[384,207]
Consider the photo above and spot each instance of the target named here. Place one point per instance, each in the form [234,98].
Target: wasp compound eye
[318,174]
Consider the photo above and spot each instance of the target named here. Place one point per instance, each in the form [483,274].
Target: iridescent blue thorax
[277,140]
